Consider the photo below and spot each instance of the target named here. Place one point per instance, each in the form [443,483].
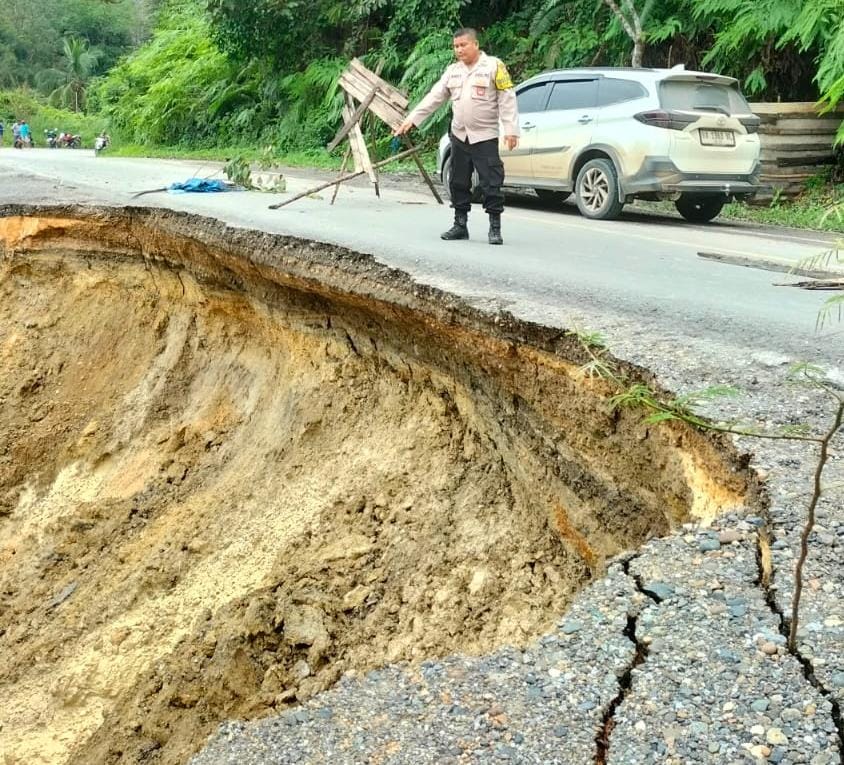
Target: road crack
[625,682]
[765,580]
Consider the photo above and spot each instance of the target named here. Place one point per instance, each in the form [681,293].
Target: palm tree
[70,82]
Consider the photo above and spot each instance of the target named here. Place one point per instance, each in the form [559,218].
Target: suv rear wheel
[699,208]
[551,197]
[596,190]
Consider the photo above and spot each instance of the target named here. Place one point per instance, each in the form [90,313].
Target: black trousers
[483,157]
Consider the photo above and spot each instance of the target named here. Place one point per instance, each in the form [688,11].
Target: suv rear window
[695,95]
[613,91]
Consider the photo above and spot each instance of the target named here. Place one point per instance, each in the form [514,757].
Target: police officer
[481,94]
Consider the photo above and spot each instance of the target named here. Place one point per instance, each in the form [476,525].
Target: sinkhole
[234,466]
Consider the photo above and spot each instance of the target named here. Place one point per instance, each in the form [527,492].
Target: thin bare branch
[810,524]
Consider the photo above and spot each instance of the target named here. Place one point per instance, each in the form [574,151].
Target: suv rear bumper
[662,175]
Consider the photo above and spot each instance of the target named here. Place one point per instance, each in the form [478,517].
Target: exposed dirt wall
[234,466]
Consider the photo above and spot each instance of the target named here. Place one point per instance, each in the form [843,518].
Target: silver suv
[613,135]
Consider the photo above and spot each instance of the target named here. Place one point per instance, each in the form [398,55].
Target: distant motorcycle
[70,141]
[52,138]
[101,143]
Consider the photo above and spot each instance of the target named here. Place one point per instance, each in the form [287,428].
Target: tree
[632,21]
[79,62]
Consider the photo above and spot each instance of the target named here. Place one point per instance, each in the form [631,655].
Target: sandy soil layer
[234,467]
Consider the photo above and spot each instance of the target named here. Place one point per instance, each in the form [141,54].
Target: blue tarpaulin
[198,185]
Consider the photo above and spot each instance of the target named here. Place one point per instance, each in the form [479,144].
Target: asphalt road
[639,277]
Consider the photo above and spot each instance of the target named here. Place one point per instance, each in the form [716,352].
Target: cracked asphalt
[677,655]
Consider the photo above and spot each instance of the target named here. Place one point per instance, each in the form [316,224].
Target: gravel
[545,704]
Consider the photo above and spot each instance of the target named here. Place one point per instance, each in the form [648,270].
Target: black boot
[495,229]
[459,229]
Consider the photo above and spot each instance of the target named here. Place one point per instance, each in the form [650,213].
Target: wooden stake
[346,157]
[422,170]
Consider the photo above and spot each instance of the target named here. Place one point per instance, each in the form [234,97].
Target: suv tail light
[669,120]
[751,124]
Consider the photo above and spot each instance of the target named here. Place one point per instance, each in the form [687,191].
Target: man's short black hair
[469,32]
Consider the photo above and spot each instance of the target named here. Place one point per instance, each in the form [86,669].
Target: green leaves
[33,36]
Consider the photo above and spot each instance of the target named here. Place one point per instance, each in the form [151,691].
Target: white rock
[776,737]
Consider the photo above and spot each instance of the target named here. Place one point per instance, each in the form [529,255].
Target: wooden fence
[797,143]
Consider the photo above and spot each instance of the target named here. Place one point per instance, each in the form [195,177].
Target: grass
[820,207]
[318,159]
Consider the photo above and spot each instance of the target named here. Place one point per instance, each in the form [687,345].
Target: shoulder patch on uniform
[502,77]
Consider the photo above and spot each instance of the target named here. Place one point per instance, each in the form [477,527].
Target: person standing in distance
[481,94]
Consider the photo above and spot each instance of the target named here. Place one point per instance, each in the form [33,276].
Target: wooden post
[422,170]
[343,167]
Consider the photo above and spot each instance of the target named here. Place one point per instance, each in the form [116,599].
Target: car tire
[699,208]
[596,190]
[477,194]
[551,197]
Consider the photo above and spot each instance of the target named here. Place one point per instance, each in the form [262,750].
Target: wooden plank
[366,83]
[358,145]
[386,111]
[355,118]
[393,93]
[379,106]
[829,131]
[772,169]
[793,152]
[788,107]
[793,142]
[830,123]
[395,158]
[825,159]
[357,160]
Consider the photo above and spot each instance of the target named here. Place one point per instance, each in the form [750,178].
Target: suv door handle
[585,119]
[528,126]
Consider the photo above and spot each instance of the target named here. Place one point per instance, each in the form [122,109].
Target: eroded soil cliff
[235,466]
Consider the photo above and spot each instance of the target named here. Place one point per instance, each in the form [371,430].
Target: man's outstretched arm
[436,97]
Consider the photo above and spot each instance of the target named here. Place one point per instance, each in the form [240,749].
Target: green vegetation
[33,35]
[225,73]
[818,208]
[71,80]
